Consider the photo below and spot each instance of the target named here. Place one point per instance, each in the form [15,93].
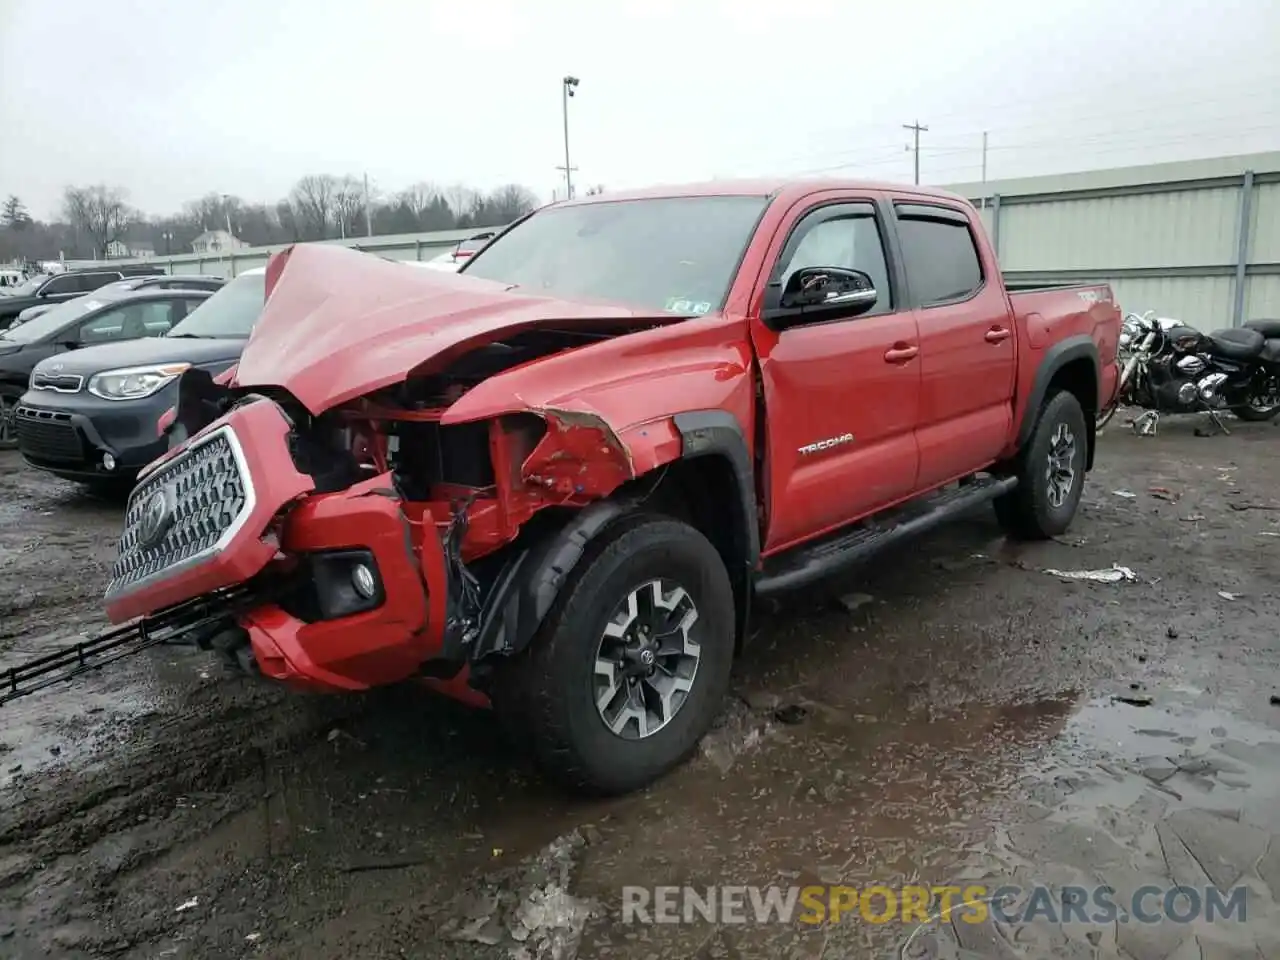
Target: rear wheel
[1050,471]
[632,664]
[1262,405]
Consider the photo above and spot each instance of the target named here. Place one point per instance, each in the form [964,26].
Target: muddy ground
[958,725]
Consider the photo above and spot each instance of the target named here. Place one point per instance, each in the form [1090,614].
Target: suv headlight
[134,383]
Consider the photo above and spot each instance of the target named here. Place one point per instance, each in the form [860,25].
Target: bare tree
[461,200]
[100,213]
[420,197]
[348,206]
[508,203]
[312,200]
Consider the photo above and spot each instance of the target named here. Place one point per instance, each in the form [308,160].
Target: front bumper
[69,434]
[279,526]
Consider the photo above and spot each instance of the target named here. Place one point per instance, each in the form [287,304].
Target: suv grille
[63,382]
[48,435]
[185,511]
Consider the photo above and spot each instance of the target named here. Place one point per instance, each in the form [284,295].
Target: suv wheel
[1050,472]
[8,423]
[632,664]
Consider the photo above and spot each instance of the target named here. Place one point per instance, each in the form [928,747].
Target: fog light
[108,461]
[362,580]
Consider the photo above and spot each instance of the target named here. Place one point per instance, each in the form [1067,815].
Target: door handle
[900,354]
[997,334]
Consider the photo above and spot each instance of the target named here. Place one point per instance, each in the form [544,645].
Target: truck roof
[773,187]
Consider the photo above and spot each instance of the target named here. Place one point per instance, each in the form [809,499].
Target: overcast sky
[172,99]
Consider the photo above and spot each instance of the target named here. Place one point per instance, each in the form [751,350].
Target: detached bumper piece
[189,623]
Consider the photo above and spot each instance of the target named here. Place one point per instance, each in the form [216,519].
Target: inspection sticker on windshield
[681,305]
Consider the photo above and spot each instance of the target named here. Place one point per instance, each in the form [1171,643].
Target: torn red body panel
[339,324]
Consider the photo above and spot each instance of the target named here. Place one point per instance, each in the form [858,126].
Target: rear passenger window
[940,256]
[90,282]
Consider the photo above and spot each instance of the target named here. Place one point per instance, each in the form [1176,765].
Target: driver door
[842,395]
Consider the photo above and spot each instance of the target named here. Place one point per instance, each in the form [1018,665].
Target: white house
[216,241]
[129,250]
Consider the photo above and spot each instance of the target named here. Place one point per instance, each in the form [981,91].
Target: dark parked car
[59,287]
[196,281]
[105,317]
[95,418]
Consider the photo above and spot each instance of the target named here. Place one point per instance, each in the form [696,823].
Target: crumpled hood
[339,323]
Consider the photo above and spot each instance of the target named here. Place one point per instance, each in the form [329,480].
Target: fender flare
[528,585]
[1080,346]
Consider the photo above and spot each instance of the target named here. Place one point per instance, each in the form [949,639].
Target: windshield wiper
[186,336]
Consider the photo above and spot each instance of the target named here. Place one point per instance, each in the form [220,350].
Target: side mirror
[813,292]
[69,344]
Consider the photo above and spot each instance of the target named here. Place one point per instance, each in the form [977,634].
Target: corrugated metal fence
[1198,240]
[405,246]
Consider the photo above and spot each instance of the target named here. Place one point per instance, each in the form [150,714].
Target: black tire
[1255,414]
[1029,511]
[8,428]
[546,695]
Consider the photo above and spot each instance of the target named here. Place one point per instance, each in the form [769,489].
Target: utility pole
[568,85]
[915,148]
[984,169]
[368,216]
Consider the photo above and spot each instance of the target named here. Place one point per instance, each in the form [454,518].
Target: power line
[1134,137]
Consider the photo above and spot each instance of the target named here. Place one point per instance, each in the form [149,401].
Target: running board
[815,561]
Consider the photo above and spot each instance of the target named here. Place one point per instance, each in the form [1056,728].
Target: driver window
[852,242]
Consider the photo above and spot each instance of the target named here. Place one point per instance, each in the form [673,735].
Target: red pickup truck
[553,483]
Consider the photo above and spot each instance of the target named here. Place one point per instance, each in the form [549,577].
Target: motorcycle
[1169,367]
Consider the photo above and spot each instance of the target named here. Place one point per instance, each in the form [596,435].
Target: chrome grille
[61,382]
[185,511]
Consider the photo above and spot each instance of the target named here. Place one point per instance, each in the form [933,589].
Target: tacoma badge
[827,444]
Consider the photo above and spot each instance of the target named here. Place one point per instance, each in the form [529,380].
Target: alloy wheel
[647,660]
[1060,473]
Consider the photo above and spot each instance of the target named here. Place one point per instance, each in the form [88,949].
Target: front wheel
[1050,471]
[628,672]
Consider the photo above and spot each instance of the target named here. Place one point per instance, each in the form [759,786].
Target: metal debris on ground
[855,601]
[1134,699]
[1128,495]
[1227,595]
[1194,518]
[1115,574]
[1164,493]
[187,905]
[791,714]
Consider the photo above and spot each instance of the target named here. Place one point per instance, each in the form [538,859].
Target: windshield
[231,312]
[52,320]
[672,254]
[29,288]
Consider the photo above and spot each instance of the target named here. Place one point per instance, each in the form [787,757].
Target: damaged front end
[376,541]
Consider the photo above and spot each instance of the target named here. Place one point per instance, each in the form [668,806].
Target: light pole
[568,86]
[167,237]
